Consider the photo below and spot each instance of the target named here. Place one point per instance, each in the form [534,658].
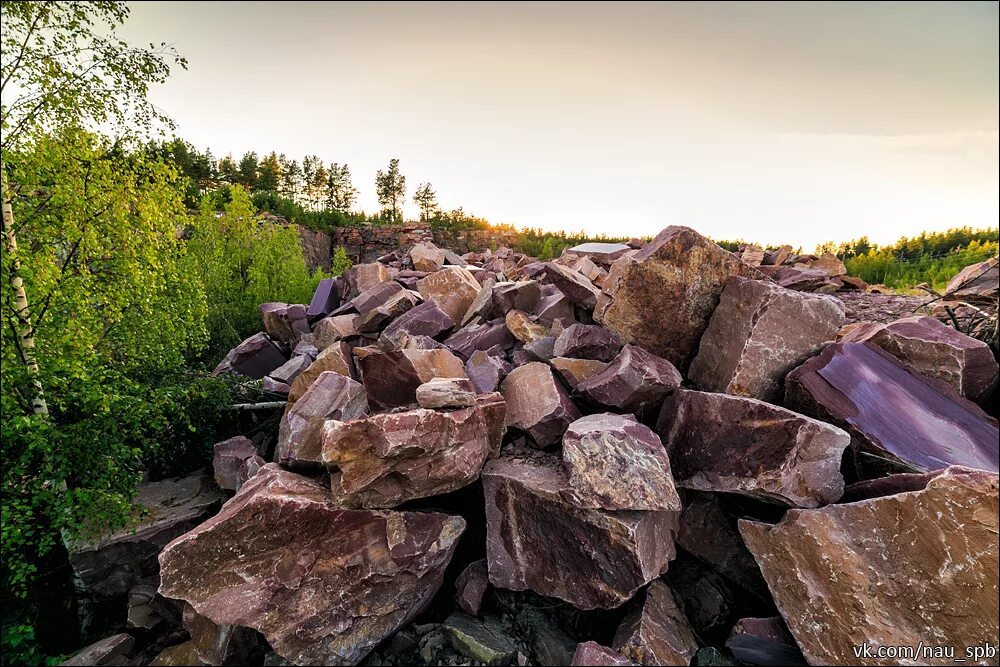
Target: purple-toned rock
[113,564]
[482,308]
[635,381]
[474,337]
[575,371]
[471,585]
[362,277]
[764,641]
[287,372]
[381,304]
[587,341]
[323,584]
[573,284]
[828,263]
[330,396]
[113,650]
[325,299]
[976,283]
[391,378]
[552,307]
[900,419]
[889,485]
[904,568]
[425,319]
[537,403]
[284,322]
[330,330]
[446,393]
[387,459]
[656,633]
[752,255]
[615,463]
[427,257]
[454,289]
[602,253]
[408,279]
[589,558]
[540,349]
[733,444]
[486,368]
[255,357]
[227,461]
[336,358]
[662,297]
[271,386]
[592,653]
[216,644]
[760,332]
[800,278]
[929,347]
[522,295]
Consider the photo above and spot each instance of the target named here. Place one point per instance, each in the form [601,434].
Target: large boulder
[760,332]
[391,378]
[325,299]
[329,330]
[573,284]
[427,257]
[587,341]
[387,459]
[634,381]
[662,297]
[336,358]
[897,418]
[473,337]
[284,322]
[732,444]
[323,584]
[330,396]
[917,568]
[381,304]
[520,295]
[602,253]
[656,632]
[255,357]
[537,403]
[362,277]
[615,463]
[590,558]
[453,288]
[932,348]
[976,283]
[425,319]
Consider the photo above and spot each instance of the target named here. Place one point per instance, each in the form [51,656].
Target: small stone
[227,461]
[271,386]
[537,403]
[330,396]
[552,307]
[391,378]
[287,372]
[446,393]
[587,341]
[657,633]
[635,381]
[471,586]
[541,349]
[752,255]
[522,328]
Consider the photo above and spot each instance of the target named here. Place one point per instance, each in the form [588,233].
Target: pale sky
[774,122]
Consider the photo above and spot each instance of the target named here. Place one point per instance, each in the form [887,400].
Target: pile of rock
[824,274]
[664,438]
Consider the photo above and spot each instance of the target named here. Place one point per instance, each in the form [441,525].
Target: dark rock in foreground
[656,633]
[764,641]
[635,381]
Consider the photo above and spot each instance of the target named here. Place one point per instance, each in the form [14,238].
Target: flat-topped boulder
[602,253]
[574,285]
[473,337]
[330,396]
[453,288]
[446,393]
[391,378]
[425,319]
[427,257]
[336,358]
[537,403]
[519,295]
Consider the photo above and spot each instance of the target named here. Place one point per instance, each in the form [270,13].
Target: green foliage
[882,266]
[17,641]
[340,262]
[426,200]
[390,187]
[546,245]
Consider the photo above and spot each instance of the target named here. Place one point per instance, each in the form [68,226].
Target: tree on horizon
[390,187]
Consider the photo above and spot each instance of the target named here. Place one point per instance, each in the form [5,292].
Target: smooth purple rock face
[732,444]
[381,304]
[471,585]
[330,396]
[387,459]
[537,403]
[227,461]
[487,370]
[575,371]
[323,584]
[391,378]
[758,333]
[663,297]
[573,284]
[521,295]
[593,654]
[408,279]
[903,567]
[255,357]
[634,381]
[977,283]
[907,421]
[287,372]
[552,307]
[615,463]
[588,558]
[930,347]
[284,322]
[271,386]
[541,349]
[425,319]
[474,337]
[656,633]
[587,341]
[325,299]
[764,641]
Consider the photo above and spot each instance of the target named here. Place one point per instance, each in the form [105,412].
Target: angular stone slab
[552,307]
[227,461]
[323,584]
[474,337]
[592,653]
[113,650]
[760,332]
[976,283]
[330,396]
[905,421]
[216,644]
[362,277]
[576,286]
[521,295]
[387,459]
[634,381]
[336,358]
[284,322]
[486,368]
[587,341]
[663,297]
[471,585]
[537,403]
[602,253]
[425,319]
[732,444]
[391,378]
[427,257]
[890,571]
[255,357]
[656,633]
[615,463]
[325,299]
[287,372]
[589,558]
[575,371]
[446,393]
[329,330]
[929,347]
[454,289]
[523,329]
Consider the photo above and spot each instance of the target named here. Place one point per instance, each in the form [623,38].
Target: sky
[772,122]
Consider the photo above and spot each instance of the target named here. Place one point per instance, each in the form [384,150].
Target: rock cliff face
[643,453]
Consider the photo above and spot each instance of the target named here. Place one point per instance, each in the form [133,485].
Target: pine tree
[291,177]
[340,192]
[269,173]
[426,199]
[228,172]
[390,187]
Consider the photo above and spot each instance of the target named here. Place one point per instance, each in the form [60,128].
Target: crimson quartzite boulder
[662,297]
[427,257]
[284,322]
[336,358]
[323,584]
[486,368]
[227,461]
[520,295]
[589,654]
[589,558]
[255,357]
[474,337]
[930,347]
[387,459]
[657,632]
[330,396]
[537,403]
[575,371]
[976,283]
[381,304]
[471,585]
[391,378]
[573,284]
[552,307]
[454,289]
[758,333]
[733,444]
[602,253]
[895,417]
[634,381]
[446,393]
[425,319]
[615,463]
[587,341]
[889,571]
